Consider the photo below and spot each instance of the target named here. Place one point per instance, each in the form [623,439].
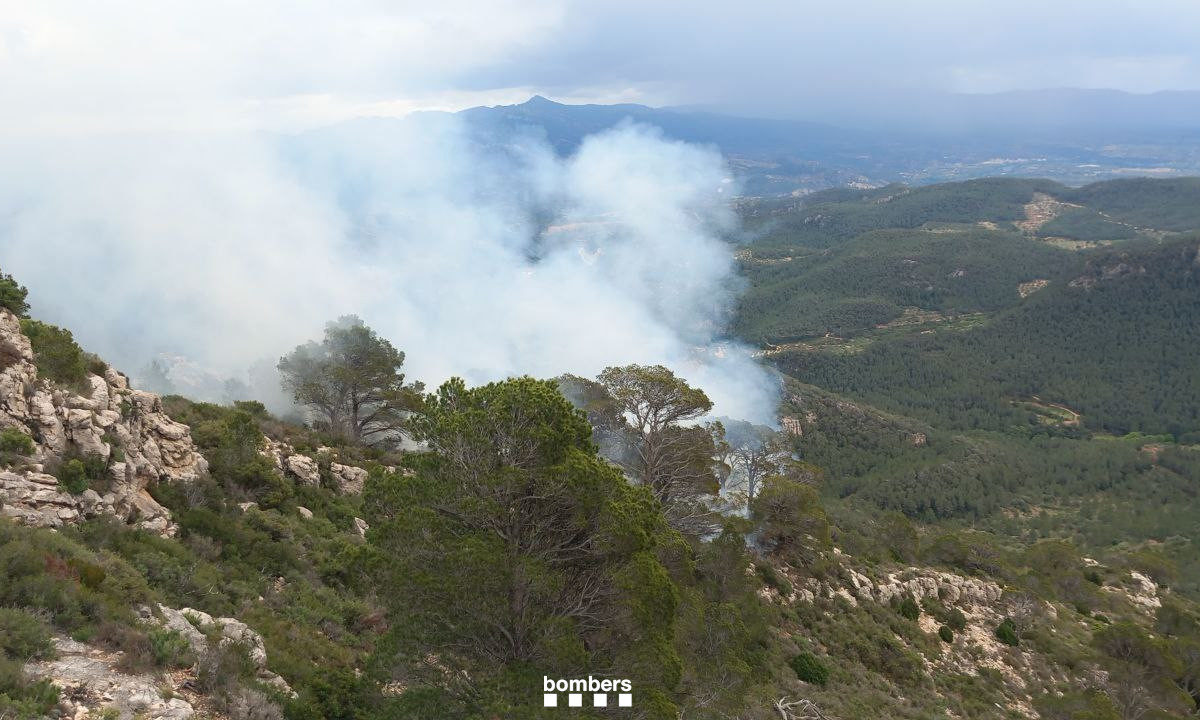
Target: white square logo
[600,700]
[625,700]
[574,700]
[550,700]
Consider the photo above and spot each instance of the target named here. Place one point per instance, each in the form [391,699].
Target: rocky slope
[109,420]
[306,470]
[93,681]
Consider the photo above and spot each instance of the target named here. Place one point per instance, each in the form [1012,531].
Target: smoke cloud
[478,258]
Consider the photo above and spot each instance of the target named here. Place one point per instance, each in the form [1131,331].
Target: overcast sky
[146,203]
[79,66]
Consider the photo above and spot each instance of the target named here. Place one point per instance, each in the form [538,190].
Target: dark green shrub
[809,669]
[169,648]
[90,574]
[12,296]
[253,407]
[23,636]
[261,479]
[95,364]
[908,608]
[230,440]
[14,445]
[54,573]
[77,473]
[1006,632]
[56,354]
[1128,642]
[21,698]
[946,634]
[951,617]
[14,441]
[72,475]
[792,519]
[1091,704]
[771,578]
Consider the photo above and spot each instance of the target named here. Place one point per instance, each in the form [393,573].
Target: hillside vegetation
[982,503]
[1054,387]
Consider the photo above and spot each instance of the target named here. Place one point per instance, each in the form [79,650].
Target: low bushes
[57,356]
[809,669]
[23,635]
[1006,632]
[14,445]
[12,295]
[907,607]
[77,473]
[21,697]
[773,579]
[76,589]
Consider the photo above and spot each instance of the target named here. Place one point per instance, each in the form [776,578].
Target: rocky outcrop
[307,470]
[855,587]
[200,630]
[108,419]
[303,468]
[90,684]
[1140,591]
[350,478]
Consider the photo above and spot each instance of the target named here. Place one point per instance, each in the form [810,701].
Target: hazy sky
[145,201]
[77,66]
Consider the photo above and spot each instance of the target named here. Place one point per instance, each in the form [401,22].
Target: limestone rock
[303,468]
[350,478]
[106,416]
[196,627]
[88,678]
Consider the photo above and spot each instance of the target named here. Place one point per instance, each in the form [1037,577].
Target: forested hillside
[965,302]
[982,501]
[1038,339]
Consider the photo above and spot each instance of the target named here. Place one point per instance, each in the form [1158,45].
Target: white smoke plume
[477,261]
[163,195]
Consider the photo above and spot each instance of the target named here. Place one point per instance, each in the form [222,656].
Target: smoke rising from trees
[478,257]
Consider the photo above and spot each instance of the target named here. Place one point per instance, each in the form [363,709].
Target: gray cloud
[67,65]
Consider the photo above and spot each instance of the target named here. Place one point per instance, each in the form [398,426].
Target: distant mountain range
[1073,136]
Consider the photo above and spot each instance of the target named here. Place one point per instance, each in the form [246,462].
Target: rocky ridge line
[109,416]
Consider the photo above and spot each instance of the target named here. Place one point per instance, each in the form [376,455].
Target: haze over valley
[549,359]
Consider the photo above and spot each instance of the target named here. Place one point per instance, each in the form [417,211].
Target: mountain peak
[538,100]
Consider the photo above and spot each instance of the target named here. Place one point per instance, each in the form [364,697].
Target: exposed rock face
[1142,592]
[89,684]
[109,416]
[197,627]
[303,468]
[947,587]
[307,470]
[350,478]
[792,426]
[1026,289]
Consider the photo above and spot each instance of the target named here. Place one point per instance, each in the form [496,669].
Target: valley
[982,499]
